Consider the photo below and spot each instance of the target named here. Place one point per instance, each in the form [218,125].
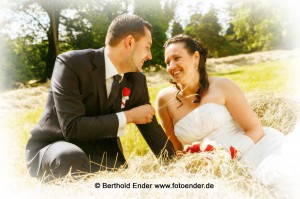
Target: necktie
[114,92]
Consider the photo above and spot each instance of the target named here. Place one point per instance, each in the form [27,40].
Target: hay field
[20,109]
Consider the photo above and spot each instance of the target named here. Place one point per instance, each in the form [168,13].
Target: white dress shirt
[110,71]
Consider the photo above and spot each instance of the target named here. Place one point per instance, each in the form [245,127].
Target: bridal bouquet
[208,146]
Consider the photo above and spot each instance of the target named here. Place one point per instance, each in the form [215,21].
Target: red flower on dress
[125,96]
[233,152]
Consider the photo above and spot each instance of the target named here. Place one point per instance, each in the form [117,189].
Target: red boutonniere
[125,96]
[209,146]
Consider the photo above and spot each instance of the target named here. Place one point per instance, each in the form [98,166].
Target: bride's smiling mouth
[176,72]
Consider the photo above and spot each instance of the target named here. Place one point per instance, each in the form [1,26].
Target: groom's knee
[63,157]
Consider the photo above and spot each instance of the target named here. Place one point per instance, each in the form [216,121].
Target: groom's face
[141,51]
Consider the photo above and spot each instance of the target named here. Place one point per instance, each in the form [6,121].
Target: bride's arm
[166,120]
[240,110]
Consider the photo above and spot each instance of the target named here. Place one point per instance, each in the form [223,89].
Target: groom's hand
[140,115]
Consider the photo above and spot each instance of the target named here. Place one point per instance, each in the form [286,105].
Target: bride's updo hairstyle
[192,45]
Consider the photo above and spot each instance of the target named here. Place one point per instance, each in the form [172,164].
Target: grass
[20,127]
[234,179]
[271,76]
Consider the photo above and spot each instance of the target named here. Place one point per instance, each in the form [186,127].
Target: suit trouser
[62,157]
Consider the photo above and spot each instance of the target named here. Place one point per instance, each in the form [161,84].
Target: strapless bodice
[212,121]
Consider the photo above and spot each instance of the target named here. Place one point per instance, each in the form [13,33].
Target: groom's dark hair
[126,24]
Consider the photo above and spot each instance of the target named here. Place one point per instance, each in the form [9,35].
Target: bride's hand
[179,153]
[243,146]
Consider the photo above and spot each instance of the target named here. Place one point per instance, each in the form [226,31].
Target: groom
[93,95]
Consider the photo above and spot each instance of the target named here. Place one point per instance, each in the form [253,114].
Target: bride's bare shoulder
[225,86]
[220,82]
[165,93]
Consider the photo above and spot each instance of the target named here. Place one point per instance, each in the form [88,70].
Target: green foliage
[21,61]
[230,47]
[254,26]
[33,56]
[88,29]
[176,28]
[258,25]
[206,28]
[159,17]
[9,61]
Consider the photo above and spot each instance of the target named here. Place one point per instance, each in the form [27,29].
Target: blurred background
[34,32]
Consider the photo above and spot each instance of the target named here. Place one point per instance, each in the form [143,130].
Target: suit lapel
[99,76]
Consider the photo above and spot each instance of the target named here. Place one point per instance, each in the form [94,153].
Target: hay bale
[275,111]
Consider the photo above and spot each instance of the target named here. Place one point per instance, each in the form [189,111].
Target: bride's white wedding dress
[275,158]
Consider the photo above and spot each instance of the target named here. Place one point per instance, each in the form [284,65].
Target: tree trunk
[53,47]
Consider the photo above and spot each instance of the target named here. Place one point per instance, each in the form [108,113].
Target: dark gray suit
[76,113]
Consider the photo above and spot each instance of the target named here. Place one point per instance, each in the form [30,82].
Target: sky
[183,10]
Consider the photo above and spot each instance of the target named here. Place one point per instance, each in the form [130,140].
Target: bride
[199,106]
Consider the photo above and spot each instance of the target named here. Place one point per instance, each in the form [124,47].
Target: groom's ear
[129,40]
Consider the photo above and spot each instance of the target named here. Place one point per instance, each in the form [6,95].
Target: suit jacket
[76,109]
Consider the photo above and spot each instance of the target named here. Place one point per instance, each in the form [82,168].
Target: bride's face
[182,66]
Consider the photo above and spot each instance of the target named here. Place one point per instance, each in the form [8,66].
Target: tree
[231,45]
[206,29]
[62,32]
[159,17]
[88,28]
[176,28]
[20,62]
[41,17]
[258,25]
[8,62]
[51,27]
[53,9]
